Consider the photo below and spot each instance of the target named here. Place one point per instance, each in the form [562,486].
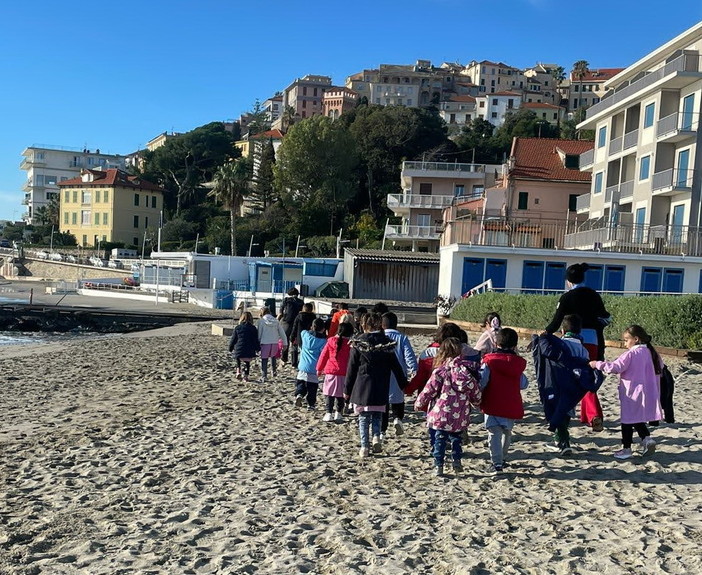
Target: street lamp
[51,243]
[251,245]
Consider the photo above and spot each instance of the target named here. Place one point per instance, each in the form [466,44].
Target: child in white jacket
[270,335]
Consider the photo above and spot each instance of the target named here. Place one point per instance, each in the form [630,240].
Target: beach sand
[141,454]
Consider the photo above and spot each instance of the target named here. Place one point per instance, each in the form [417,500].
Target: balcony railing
[418,201]
[587,158]
[683,63]
[626,190]
[677,123]
[405,232]
[631,139]
[612,194]
[672,179]
[443,167]
[601,235]
[582,202]
[615,146]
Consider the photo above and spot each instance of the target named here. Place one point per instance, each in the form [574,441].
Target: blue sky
[114,75]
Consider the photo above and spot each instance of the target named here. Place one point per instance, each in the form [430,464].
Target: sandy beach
[141,454]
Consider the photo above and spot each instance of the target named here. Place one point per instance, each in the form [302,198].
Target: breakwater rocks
[39,318]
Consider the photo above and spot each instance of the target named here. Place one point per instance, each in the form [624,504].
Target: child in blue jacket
[312,343]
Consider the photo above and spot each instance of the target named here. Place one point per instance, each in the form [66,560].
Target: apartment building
[589,90]
[47,166]
[273,107]
[491,77]
[645,165]
[427,189]
[109,206]
[495,107]
[305,95]
[550,113]
[457,111]
[337,100]
[541,85]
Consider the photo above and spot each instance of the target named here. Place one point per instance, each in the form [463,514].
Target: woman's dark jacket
[303,322]
[244,341]
[371,362]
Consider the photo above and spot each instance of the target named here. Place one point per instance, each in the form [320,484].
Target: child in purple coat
[639,370]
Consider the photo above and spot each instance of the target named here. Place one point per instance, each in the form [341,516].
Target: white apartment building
[46,166]
[646,166]
[495,107]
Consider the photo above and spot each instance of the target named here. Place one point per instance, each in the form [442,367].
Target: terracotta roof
[539,159]
[275,134]
[461,98]
[540,105]
[597,75]
[112,177]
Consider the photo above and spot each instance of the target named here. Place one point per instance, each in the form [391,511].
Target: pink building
[337,100]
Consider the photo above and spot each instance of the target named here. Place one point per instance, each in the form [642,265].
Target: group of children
[367,367]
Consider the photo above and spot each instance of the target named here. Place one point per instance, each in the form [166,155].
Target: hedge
[672,321]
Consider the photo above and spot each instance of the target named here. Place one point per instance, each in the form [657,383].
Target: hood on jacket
[462,374]
[372,342]
[268,319]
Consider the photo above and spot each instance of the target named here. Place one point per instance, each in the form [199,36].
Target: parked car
[42,255]
[97,262]
[5,243]
[115,264]
[56,257]
[71,259]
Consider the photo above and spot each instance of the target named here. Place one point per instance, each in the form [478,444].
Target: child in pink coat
[452,388]
[333,363]
[639,370]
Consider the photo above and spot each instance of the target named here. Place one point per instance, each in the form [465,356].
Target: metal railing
[587,158]
[582,202]
[412,232]
[626,190]
[631,139]
[677,123]
[443,167]
[600,235]
[683,63]
[615,145]
[418,201]
[672,178]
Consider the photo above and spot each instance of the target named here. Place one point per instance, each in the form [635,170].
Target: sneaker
[439,471]
[246,379]
[338,418]
[274,373]
[623,454]
[457,468]
[311,408]
[498,468]
[552,446]
[264,378]
[382,436]
[493,469]
[238,374]
[566,450]
[399,428]
[377,444]
[298,401]
[648,446]
[328,417]
[364,452]
[597,424]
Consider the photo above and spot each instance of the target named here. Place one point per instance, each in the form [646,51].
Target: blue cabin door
[650,280]
[673,281]
[532,277]
[593,277]
[614,279]
[554,278]
[473,273]
[496,270]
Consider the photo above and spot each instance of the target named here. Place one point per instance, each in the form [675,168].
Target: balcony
[615,146]
[582,203]
[612,194]
[626,192]
[404,202]
[587,159]
[672,181]
[631,139]
[443,170]
[406,232]
[31,161]
[677,127]
[677,73]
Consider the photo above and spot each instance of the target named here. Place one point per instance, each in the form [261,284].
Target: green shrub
[672,321]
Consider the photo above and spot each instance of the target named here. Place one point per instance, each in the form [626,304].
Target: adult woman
[585,302]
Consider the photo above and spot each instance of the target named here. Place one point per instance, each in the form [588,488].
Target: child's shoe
[364,452]
[338,418]
[399,428]
[597,424]
[439,471]
[377,444]
[457,467]
[328,418]
[623,454]
[298,401]
[238,374]
[648,446]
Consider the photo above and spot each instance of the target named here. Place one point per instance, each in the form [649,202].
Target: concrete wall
[71,272]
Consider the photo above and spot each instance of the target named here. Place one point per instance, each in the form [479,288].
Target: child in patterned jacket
[452,388]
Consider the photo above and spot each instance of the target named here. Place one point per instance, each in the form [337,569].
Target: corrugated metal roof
[393,256]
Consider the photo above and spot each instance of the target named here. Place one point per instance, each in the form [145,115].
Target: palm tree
[580,70]
[230,187]
[288,118]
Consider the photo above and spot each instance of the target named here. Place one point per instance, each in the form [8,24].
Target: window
[85,217]
[67,197]
[572,162]
[510,103]
[304,103]
[493,115]
[320,269]
[409,101]
[97,219]
[314,92]
[85,240]
[105,196]
[75,196]
[572,202]
[86,197]
[146,221]
[135,241]
[136,221]
[459,190]
[153,202]
[523,202]
[602,137]
[136,199]
[423,220]
[74,218]
[644,168]
[640,222]
[304,91]
[97,196]
[599,176]
[65,218]
[648,115]
[104,219]
[425,189]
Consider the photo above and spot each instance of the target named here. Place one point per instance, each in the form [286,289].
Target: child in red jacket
[333,363]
